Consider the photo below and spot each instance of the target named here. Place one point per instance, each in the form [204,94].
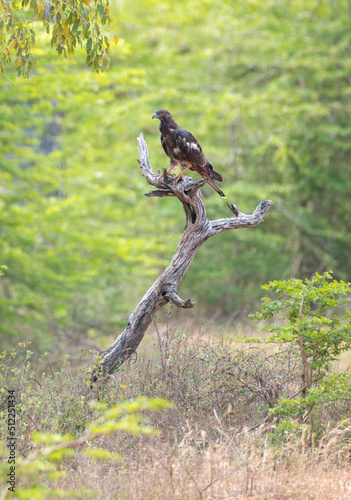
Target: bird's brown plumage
[184,150]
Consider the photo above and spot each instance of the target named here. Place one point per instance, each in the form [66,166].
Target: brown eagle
[184,150]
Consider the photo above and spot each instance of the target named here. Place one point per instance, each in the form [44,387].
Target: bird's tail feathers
[213,185]
[216,176]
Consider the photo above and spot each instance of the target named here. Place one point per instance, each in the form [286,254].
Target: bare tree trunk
[197,230]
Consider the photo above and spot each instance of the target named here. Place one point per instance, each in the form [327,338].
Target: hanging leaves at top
[69,23]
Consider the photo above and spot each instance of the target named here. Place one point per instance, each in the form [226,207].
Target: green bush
[312,317]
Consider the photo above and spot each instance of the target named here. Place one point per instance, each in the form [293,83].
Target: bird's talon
[178,178]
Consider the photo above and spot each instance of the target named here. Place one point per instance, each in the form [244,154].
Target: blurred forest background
[265,88]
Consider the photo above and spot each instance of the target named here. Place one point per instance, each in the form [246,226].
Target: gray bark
[197,230]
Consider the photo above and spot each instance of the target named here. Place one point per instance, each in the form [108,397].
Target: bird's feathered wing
[165,146]
[192,153]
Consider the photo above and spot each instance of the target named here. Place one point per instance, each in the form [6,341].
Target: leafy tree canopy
[68,23]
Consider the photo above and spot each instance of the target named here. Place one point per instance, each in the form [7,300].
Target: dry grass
[234,467]
[208,447]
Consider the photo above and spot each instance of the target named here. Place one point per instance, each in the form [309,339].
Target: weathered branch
[197,230]
[241,220]
[177,301]
[234,209]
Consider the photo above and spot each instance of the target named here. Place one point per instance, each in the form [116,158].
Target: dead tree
[197,230]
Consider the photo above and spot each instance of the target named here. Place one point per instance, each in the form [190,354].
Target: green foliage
[310,315]
[51,449]
[69,24]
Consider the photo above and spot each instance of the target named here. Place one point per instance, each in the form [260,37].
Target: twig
[306,373]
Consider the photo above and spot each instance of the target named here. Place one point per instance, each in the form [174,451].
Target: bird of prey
[184,151]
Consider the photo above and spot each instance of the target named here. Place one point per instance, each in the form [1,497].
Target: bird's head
[162,114]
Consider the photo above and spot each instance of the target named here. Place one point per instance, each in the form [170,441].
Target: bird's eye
[162,113]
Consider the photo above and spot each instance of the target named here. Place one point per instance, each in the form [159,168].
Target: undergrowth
[221,438]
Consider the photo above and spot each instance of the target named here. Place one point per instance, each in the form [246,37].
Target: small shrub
[312,317]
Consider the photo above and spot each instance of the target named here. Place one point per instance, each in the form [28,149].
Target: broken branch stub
[197,230]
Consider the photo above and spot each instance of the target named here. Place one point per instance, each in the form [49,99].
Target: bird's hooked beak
[154,116]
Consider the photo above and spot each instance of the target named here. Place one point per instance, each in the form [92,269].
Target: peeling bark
[197,230]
